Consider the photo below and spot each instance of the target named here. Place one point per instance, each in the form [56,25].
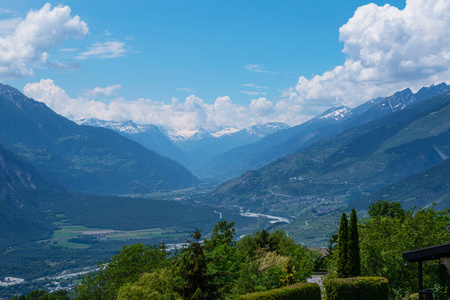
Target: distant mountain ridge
[193,150]
[345,168]
[82,158]
[332,122]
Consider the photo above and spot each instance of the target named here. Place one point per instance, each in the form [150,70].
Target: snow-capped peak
[224,131]
[336,113]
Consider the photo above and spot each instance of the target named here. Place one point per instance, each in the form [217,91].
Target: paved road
[315,279]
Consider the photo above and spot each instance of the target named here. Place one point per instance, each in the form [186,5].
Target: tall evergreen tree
[353,256]
[342,247]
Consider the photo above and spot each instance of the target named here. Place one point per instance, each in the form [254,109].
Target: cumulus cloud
[23,47]
[108,49]
[186,115]
[7,26]
[261,106]
[102,92]
[387,49]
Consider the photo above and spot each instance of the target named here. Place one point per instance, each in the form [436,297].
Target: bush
[357,288]
[306,291]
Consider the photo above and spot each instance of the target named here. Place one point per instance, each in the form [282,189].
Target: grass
[65,232]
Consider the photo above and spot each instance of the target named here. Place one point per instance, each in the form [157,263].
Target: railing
[426,294]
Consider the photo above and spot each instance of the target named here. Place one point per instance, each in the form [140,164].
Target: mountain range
[330,123]
[83,158]
[348,166]
[191,151]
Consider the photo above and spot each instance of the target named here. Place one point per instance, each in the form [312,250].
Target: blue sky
[227,63]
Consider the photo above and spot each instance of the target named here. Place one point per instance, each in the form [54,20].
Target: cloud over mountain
[188,115]
[387,49]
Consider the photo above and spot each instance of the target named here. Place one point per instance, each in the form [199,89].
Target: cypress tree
[353,257]
[342,247]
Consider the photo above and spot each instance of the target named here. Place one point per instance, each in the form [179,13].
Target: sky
[213,64]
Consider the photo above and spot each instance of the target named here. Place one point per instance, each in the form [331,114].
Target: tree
[384,238]
[192,268]
[151,286]
[125,267]
[383,208]
[342,248]
[353,257]
[220,250]
[222,233]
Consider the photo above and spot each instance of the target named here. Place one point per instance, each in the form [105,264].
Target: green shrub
[306,291]
[357,288]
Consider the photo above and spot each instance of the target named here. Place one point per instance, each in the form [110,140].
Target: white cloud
[257,69]
[47,63]
[254,86]
[253,93]
[261,106]
[7,26]
[22,48]
[387,50]
[108,49]
[188,115]
[102,92]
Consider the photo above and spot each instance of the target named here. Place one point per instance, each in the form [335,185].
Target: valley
[73,195]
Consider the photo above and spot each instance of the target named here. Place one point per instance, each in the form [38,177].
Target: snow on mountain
[260,130]
[336,113]
[128,127]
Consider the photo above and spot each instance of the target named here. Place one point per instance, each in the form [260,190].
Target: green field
[65,232]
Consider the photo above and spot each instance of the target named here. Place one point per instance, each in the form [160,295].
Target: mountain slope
[83,158]
[149,136]
[328,124]
[20,189]
[204,144]
[347,167]
[430,185]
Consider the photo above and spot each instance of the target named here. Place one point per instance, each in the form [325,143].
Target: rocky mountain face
[83,158]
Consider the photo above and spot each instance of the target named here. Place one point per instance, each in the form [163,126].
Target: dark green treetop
[342,247]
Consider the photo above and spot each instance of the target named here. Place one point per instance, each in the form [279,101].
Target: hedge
[357,288]
[305,291]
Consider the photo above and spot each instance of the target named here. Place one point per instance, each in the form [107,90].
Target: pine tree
[353,257]
[342,247]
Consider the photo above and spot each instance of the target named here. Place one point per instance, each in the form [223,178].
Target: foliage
[151,286]
[289,270]
[306,291]
[355,288]
[382,208]
[223,233]
[353,257]
[384,239]
[342,247]
[192,267]
[441,288]
[125,267]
